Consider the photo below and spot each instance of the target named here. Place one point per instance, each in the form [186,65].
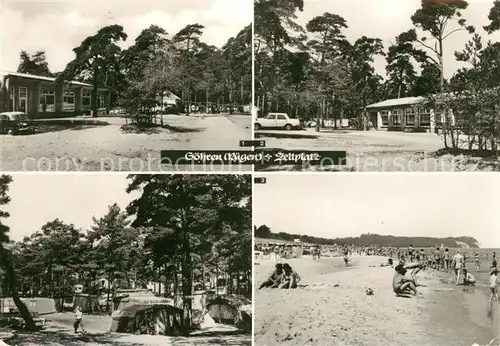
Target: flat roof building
[41,97]
[407,114]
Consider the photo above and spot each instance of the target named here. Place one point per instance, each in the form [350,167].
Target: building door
[23,99]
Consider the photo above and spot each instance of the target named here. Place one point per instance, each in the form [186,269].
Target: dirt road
[377,151]
[59,332]
[108,148]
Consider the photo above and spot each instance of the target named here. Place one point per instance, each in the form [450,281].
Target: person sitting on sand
[469,279]
[274,279]
[290,277]
[401,284]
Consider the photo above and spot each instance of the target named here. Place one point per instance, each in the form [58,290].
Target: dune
[334,309]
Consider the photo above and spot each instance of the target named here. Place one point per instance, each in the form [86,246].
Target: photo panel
[377,86]
[99,85]
[117,259]
[385,259]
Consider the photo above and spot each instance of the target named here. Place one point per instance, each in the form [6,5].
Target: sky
[348,205]
[59,26]
[73,198]
[385,19]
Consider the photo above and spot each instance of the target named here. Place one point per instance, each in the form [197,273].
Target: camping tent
[225,309]
[157,319]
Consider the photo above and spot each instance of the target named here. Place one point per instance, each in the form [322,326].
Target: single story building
[407,114]
[40,97]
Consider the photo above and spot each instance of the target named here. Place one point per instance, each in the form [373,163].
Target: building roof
[42,78]
[404,101]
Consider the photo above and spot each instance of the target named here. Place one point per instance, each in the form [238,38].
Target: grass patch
[68,122]
[284,134]
[151,129]
[44,128]
[471,153]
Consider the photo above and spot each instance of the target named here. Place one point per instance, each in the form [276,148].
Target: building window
[86,97]
[425,117]
[100,101]
[47,101]
[438,115]
[410,116]
[385,118]
[68,101]
[23,99]
[396,117]
[12,99]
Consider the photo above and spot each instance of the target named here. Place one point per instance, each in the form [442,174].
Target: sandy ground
[325,314]
[107,148]
[379,151]
[59,333]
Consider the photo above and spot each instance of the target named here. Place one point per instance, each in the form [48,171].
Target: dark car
[14,123]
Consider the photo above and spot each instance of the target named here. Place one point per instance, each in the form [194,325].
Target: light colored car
[277,121]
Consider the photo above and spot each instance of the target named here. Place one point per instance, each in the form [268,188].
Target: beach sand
[323,314]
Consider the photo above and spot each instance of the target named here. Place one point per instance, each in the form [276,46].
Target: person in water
[290,278]
[402,285]
[274,279]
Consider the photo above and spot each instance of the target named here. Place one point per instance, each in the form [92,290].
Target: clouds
[58,27]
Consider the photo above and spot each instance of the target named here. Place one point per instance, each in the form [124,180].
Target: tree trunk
[12,280]
[186,287]
[94,93]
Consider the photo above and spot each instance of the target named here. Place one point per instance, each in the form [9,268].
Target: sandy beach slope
[326,314]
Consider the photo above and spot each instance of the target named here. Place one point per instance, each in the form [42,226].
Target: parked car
[277,121]
[14,123]
[18,322]
[117,111]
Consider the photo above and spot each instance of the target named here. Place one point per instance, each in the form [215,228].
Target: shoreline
[324,314]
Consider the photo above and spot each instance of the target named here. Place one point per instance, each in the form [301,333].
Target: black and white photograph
[406,86]
[378,259]
[125,260]
[99,85]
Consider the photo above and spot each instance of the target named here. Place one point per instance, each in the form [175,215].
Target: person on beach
[469,279]
[290,277]
[411,251]
[415,267]
[493,286]
[346,256]
[78,319]
[274,279]
[458,264]
[477,261]
[402,285]
[437,258]
[447,259]
[493,266]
